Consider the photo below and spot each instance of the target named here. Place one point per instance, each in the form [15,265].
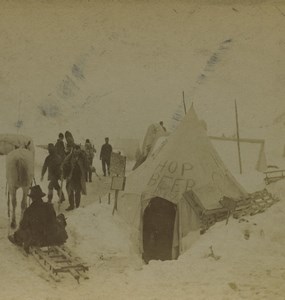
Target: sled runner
[59,259]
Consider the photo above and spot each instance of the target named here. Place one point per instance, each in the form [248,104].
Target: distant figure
[74,170]
[90,151]
[39,226]
[105,156]
[53,165]
[161,124]
[59,146]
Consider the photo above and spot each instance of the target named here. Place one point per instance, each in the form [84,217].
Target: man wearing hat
[39,226]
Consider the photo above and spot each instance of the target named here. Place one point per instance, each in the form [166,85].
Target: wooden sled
[273,176]
[57,260]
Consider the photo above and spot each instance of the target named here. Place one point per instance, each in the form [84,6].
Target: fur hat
[36,192]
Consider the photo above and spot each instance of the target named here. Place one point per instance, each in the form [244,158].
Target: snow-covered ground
[111,69]
[248,260]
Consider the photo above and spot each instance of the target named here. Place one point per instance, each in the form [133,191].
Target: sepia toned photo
[142,149]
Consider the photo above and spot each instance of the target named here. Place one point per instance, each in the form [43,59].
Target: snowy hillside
[112,68]
[108,64]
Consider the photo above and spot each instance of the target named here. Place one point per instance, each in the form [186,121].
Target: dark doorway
[158,227]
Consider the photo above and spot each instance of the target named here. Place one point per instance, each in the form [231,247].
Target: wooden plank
[75,274]
[42,262]
[275,171]
[76,260]
[245,140]
[57,260]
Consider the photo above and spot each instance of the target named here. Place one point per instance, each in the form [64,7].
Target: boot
[77,198]
[62,198]
[71,201]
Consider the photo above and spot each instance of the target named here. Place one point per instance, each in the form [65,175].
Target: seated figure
[39,226]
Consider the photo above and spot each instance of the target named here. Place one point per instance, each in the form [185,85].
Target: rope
[8,205]
[9,215]
[60,194]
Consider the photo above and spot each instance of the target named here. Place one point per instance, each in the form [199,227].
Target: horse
[9,142]
[19,174]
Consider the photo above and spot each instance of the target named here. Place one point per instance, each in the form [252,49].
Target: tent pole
[179,230]
[238,141]
[184,102]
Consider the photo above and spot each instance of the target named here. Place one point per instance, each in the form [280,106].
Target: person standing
[105,156]
[74,170]
[59,146]
[53,165]
[90,151]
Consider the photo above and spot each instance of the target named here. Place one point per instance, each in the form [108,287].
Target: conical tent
[186,161]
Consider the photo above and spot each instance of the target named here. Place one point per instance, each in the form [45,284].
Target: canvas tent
[156,198]
[153,133]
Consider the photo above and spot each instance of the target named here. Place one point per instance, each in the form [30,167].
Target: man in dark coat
[105,156]
[39,226]
[59,146]
[53,165]
[75,167]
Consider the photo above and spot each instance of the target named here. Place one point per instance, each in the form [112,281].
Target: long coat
[60,149]
[39,226]
[69,166]
[52,164]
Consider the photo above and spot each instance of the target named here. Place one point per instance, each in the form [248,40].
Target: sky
[111,68]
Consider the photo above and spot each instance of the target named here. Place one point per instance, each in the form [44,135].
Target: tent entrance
[158,228]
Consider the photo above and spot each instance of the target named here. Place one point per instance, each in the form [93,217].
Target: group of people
[66,161]
[74,164]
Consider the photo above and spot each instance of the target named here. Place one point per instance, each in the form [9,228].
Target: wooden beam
[238,141]
[230,139]
[185,110]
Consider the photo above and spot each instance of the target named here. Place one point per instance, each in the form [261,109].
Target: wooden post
[184,102]
[116,201]
[19,112]
[178,212]
[238,141]
[109,198]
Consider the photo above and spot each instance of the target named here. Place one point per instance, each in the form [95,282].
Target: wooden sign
[118,164]
[118,183]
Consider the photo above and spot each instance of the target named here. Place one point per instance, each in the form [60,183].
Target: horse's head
[27,146]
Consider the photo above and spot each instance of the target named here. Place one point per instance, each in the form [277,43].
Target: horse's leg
[14,204]
[24,200]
